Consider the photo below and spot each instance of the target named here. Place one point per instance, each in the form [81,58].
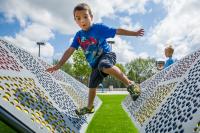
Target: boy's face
[83,19]
[168,53]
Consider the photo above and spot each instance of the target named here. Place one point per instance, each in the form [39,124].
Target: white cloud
[28,37]
[36,32]
[40,19]
[59,15]
[56,15]
[130,6]
[47,50]
[127,23]
[180,27]
[124,51]
[143,55]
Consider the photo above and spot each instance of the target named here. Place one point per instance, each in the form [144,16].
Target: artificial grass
[5,128]
[111,118]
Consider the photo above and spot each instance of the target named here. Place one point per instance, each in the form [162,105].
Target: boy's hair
[82,6]
[170,50]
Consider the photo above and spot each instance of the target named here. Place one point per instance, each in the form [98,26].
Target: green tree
[110,80]
[140,69]
[67,67]
[81,69]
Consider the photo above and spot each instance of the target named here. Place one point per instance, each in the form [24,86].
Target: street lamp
[40,43]
[111,42]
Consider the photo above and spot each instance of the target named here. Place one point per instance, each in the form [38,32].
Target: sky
[166,22]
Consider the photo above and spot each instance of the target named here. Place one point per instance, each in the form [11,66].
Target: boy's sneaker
[85,110]
[134,90]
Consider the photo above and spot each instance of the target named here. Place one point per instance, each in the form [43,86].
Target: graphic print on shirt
[91,49]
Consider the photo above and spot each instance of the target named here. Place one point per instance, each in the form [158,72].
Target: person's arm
[130,33]
[64,58]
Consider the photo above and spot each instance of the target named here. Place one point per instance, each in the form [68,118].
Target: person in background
[168,53]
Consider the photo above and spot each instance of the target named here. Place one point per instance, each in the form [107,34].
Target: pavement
[112,92]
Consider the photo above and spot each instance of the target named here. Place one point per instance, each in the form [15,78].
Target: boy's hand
[52,69]
[140,32]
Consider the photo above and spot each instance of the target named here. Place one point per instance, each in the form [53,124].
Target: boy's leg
[95,79]
[90,108]
[133,89]
[116,72]
[107,66]
[92,94]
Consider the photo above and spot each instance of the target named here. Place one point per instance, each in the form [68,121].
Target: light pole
[111,42]
[40,43]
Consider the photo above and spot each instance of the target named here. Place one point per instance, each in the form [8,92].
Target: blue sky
[175,22]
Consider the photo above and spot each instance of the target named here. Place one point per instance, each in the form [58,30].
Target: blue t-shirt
[169,62]
[93,42]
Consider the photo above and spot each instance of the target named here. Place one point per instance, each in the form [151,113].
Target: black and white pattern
[81,90]
[46,101]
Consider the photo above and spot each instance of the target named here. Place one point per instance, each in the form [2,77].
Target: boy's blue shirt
[93,42]
[168,62]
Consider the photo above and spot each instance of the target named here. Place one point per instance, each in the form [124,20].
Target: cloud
[130,6]
[59,15]
[28,37]
[36,32]
[112,7]
[56,15]
[180,27]
[124,51]
[39,20]
[127,23]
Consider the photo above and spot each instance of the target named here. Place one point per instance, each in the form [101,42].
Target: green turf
[111,118]
[5,129]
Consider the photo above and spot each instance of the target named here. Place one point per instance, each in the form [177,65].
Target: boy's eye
[78,18]
[85,16]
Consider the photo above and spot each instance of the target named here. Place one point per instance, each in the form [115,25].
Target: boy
[92,39]
[168,53]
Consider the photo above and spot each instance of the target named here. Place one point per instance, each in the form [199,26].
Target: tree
[110,80]
[81,69]
[67,67]
[140,69]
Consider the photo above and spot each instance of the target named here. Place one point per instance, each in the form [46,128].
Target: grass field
[5,129]
[110,118]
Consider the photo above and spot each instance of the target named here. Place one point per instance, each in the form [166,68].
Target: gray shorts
[107,60]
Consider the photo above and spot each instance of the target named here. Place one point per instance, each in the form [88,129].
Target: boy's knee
[106,70]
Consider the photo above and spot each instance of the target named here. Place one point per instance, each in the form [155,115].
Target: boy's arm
[130,33]
[64,58]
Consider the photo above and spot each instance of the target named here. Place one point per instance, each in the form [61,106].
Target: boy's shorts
[107,60]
